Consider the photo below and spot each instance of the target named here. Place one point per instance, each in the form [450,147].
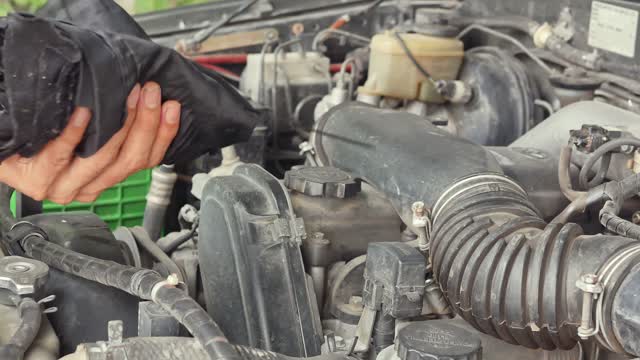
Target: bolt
[18,268]
[590,279]
[418,208]
[355,300]
[635,218]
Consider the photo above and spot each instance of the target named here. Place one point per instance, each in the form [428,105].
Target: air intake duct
[501,267]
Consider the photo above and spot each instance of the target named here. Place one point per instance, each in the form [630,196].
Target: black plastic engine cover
[253,276]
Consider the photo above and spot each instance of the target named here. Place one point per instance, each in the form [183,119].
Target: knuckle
[135,163]
[153,162]
[38,194]
[87,198]
[61,160]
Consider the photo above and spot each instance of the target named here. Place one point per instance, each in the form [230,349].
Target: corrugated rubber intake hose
[499,265]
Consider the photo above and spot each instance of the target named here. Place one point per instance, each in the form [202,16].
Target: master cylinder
[393,74]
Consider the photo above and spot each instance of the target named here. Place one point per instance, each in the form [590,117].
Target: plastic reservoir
[393,74]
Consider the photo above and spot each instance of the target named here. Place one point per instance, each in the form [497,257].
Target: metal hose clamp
[604,277]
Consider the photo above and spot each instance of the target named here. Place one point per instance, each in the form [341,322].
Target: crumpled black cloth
[100,15]
[49,67]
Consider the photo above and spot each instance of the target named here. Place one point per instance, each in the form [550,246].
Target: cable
[508,38]
[274,89]
[600,152]
[323,35]
[198,38]
[411,57]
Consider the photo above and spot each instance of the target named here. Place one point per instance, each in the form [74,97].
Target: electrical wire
[199,37]
[325,34]
[508,38]
[415,62]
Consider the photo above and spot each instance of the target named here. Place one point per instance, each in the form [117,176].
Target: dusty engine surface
[437,180]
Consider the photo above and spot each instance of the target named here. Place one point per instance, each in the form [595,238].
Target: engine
[436,180]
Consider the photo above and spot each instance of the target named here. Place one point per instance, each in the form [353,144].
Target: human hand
[57,174]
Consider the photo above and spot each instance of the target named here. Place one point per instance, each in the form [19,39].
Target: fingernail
[151,96]
[80,118]
[134,96]
[172,113]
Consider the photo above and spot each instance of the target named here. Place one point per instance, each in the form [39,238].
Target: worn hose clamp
[464,185]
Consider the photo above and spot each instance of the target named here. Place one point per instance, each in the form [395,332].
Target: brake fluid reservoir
[393,74]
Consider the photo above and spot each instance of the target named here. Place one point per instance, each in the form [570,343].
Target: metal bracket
[591,288]
[421,220]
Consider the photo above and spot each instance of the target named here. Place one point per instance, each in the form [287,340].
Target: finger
[135,152]
[167,131]
[57,154]
[82,171]
[136,149]
[34,176]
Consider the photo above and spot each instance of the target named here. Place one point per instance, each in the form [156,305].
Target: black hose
[384,331]
[143,240]
[170,244]
[170,348]
[30,319]
[564,176]
[567,52]
[519,23]
[7,220]
[144,283]
[600,152]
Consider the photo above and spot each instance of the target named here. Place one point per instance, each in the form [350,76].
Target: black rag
[49,66]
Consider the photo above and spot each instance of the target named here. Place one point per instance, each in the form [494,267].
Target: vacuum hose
[500,266]
[169,348]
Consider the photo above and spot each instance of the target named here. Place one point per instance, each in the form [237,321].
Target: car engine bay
[434,179]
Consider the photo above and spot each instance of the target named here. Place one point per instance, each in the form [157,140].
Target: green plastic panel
[121,205]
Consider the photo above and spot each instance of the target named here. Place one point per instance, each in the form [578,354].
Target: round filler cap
[437,339]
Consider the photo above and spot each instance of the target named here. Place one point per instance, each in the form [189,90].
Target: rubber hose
[491,254]
[599,153]
[138,282]
[171,242]
[143,239]
[384,331]
[564,176]
[500,266]
[170,348]
[7,220]
[30,319]
[520,23]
